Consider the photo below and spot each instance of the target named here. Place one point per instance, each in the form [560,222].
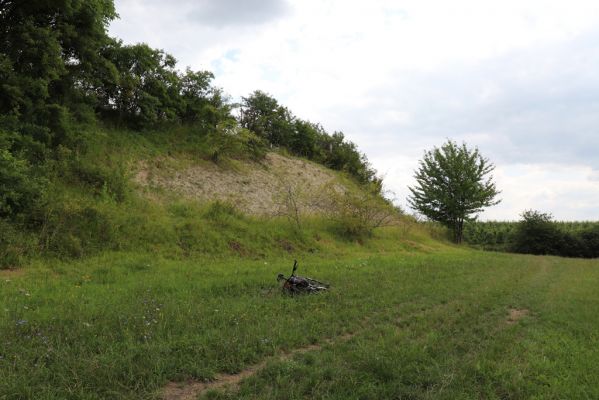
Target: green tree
[263,115]
[49,53]
[147,88]
[536,233]
[453,183]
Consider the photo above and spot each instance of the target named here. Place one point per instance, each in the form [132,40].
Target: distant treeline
[60,72]
[536,233]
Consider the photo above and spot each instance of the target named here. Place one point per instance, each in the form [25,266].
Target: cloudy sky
[519,79]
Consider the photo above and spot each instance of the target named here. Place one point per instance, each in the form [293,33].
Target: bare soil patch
[254,188]
[516,315]
[11,273]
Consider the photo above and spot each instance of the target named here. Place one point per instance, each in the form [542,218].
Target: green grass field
[418,323]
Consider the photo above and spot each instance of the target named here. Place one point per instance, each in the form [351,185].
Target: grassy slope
[93,206]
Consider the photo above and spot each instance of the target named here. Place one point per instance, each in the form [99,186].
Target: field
[420,322]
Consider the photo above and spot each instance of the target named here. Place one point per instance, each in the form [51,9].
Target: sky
[519,79]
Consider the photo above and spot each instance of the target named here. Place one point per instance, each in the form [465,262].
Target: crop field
[422,323]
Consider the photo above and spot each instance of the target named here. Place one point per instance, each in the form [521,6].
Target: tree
[263,115]
[453,183]
[49,54]
[536,233]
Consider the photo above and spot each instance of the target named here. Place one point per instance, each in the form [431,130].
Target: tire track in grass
[191,390]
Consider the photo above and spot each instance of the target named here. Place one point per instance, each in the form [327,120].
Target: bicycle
[298,284]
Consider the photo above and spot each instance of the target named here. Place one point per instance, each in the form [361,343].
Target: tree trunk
[458,231]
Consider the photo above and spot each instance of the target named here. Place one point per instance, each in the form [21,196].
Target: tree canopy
[452,184]
[263,115]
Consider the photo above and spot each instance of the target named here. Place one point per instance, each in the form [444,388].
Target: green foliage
[263,115]
[358,213]
[590,241]
[20,188]
[144,88]
[453,184]
[489,235]
[219,211]
[108,181]
[231,141]
[71,230]
[16,245]
[537,233]
[49,52]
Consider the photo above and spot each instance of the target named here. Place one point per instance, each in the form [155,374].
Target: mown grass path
[424,326]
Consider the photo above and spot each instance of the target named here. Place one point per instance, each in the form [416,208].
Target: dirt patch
[190,390]
[238,248]
[11,273]
[286,245]
[516,315]
[254,188]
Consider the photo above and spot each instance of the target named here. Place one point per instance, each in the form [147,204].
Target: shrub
[220,211]
[230,141]
[358,213]
[111,181]
[537,234]
[20,188]
[78,230]
[590,242]
[15,245]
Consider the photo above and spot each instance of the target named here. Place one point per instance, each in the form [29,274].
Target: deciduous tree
[452,184]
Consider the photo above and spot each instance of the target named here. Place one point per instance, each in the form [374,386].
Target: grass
[144,292]
[429,321]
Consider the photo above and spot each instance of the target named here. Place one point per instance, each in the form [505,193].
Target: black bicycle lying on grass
[298,284]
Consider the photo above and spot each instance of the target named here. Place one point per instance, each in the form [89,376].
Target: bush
[358,213]
[109,181]
[537,234]
[78,230]
[230,141]
[590,242]
[15,245]
[20,188]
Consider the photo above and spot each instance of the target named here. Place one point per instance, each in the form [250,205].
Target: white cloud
[518,78]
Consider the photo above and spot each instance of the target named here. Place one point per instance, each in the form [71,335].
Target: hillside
[162,191]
